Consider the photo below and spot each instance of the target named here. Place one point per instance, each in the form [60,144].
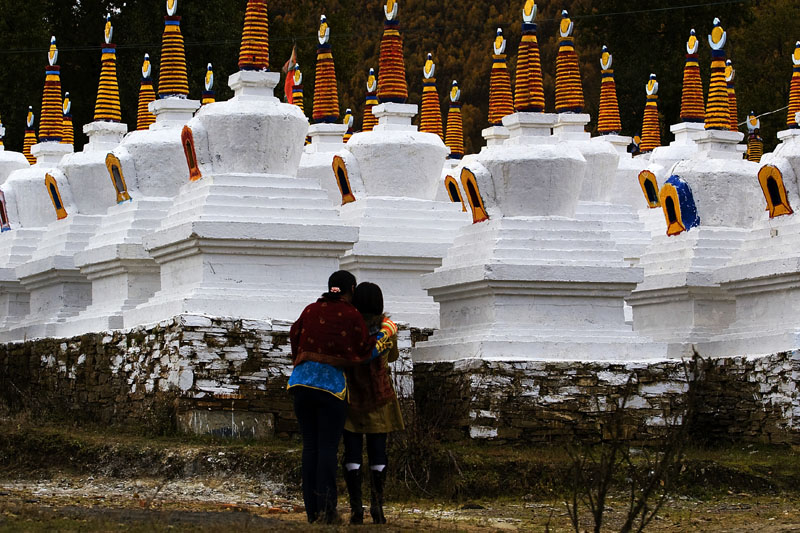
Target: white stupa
[763,274]
[37,196]
[528,280]
[247,238]
[143,175]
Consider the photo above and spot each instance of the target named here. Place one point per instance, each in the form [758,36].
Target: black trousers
[376,448]
[321,416]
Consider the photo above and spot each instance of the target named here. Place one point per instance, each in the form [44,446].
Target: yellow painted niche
[771,180]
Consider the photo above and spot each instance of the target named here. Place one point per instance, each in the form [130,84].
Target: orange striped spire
[455,124]
[529,90]
[2,132]
[326,93]
[693,108]
[209,96]
[501,103]
[107,107]
[369,120]
[348,121]
[30,137]
[755,144]
[608,117]
[68,134]
[392,86]
[172,79]
[651,127]
[146,95]
[254,53]
[431,116]
[297,88]
[718,116]
[794,89]
[569,90]
[51,125]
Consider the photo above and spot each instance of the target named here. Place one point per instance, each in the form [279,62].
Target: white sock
[352,466]
[377,468]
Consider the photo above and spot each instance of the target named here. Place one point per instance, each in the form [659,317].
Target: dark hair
[341,282]
[368,299]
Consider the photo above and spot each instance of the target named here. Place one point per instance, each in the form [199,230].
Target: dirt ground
[89,504]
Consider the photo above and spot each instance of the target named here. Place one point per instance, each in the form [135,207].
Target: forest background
[644,36]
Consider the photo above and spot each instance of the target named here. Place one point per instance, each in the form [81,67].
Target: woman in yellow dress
[373,410]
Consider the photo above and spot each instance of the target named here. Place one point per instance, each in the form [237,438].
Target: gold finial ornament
[608,120]
[392,86]
[30,137]
[651,127]
[501,101]
[172,78]
[107,106]
[569,90]
[326,92]
[68,132]
[51,124]
[693,107]
[455,124]
[209,96]
[431,116]
[371,100]
[718,116]
[144,118]
[529,89]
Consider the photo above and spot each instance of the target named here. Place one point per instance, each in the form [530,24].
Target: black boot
[377,479]
[353,480]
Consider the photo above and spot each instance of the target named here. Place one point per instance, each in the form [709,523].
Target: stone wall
[217,375]
[742,398]
[227,376]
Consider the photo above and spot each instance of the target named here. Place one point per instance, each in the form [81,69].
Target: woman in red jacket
[329,335]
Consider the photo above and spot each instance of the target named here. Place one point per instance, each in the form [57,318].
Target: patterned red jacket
[331,331]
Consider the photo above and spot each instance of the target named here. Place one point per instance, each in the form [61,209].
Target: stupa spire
[326,94]
[107,107]
[718,116]
[528,89]
[569,91]
[30,137]
[794,89]
[651,128]
[431,118]
[455,124]
[254,52]
[297,88]
[755,144]
[2,132]
[348,121]
[501,102]
[733,107]
[146,95]
[209,96]
[51,124]
[692,103]
[608,117]
[68,134]
[371,99]
[392,86]
[172,79]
